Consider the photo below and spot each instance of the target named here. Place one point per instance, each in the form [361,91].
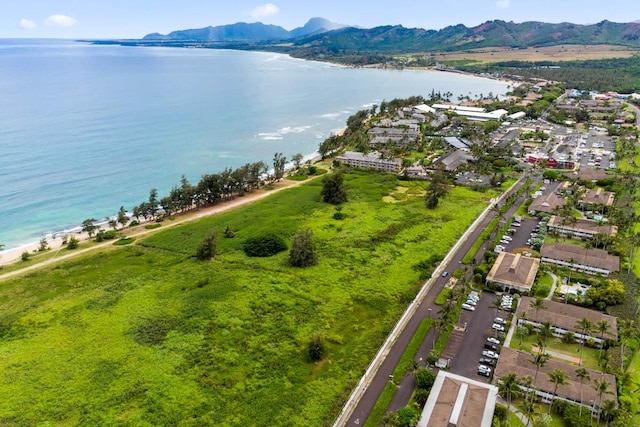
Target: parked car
[486,372]
[490,346]
[471,302]
[508,238]
[487,361]
[500,320]
[490,354]
[445,274]
[468,307]
[497,327]
[493,340]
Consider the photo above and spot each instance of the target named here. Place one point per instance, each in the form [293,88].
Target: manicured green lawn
[147,335]
[589,355]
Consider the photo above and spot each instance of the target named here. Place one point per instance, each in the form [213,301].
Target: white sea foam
[331,115]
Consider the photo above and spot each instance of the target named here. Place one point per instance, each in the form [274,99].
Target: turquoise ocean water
[86,129]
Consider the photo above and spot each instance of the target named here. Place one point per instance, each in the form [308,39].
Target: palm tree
[583,375]
[537,305]
[508,388]
[626,330]
[601,387]
[497,304]
[558,378]
[609,410]
[603,327]
[529,408]
[584,325]
[539,359]
[546,330]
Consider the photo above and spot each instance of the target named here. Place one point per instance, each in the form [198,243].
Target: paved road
[426,308]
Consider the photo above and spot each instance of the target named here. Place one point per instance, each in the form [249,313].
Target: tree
[609,410]
[539,360]
[316,348]
[152,204]
[333,188]
[73,243]
[297,160]
[278,165]
[558,377]
[303,250]
[603,327]
[537,305]
[89,227]
[44,245]
[436,189]
[407,417]
[424,379]
[207,247]
[584,325]
[508,388]
[546,330]
[601,386]
[122,217]
[583,375]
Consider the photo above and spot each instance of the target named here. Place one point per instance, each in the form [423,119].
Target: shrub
[109,235]
[25,256]
[316,348]
[264,246]
[123,241]
[134,223]
[152,226]
[569,337]
[420,397]
[207,247]
[303,250]
[500,412]
[424,379]
[73,243]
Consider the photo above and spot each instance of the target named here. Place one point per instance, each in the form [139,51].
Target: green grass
[589,355]
[443,296]
[468,258]
[145,334]
[542,286]
[402,369]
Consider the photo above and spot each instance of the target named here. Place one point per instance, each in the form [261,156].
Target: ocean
[85,129]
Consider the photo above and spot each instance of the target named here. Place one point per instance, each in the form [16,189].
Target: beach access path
[14,255]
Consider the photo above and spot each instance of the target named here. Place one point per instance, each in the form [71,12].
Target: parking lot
[595,151]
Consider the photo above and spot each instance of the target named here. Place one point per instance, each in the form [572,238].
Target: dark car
[487,361]
[490,346]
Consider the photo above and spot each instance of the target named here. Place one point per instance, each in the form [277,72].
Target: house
[369,161]
[547,203]
[514,271]
[402,136]
[519,362]
[454,160]
[459,401]
[591,174]
[580,227]
[456,143]
[564,317]
[472,113]
[590,261]
[596,199]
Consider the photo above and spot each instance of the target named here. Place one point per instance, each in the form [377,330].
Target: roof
[598,196]
[516,116]
[520,363]
[458,108]
[583,225]
[547,203]
[424,108]
[380,131]
[371,157]
[514,270]
[456,143]
[458,401]
[575,254]
[455,159]
[566,315]
[592,174]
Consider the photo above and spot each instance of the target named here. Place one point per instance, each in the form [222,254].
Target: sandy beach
[15,255]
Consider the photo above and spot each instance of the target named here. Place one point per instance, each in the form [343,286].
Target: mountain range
[322,35]
[243,31]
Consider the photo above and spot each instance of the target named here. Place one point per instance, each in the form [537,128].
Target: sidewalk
[518,414]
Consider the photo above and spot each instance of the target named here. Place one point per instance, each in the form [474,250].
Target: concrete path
[557,355]
[553,287]
[522,417]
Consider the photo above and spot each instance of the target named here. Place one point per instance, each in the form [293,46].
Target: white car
[490,354]
[499,320]
[493,341]
[468,307]
[497,327]
[471,302]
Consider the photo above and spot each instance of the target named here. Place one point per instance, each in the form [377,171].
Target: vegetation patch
[264,246]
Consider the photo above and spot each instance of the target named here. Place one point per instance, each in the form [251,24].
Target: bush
[25,256]
[424,379]
[123,241]
[73,243]
[264,246]
[152,226]
[569,337]
[207,247]
[316,348]
[134,223]
[500,412]
[303,249]
[420,397]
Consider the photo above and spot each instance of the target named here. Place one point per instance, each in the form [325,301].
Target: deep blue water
[86,129]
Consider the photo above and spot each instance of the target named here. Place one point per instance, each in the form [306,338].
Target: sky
[135,18]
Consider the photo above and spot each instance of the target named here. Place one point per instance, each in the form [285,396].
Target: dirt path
[140,231]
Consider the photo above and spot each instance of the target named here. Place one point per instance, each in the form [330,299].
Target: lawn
[589,355]
[147,335]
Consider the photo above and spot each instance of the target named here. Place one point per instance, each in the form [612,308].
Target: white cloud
[503,4]
[60,21]
[264,11]
[27,24]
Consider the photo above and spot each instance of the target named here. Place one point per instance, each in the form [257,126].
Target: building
[454,160]
[547,203]
[580,227]
[472,113]
[457,143]
[369,161]
[403,136]
[590,261]
[516,116]
[564,317]
[519,362]
[459,401]
[596,199]
[514,271]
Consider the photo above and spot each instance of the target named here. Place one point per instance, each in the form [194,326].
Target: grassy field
[147,335]
[547,53]
[589,355]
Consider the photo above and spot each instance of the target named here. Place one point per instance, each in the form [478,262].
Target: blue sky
[135,18]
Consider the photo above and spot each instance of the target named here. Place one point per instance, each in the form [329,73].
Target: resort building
[457,143]
[369,161]
[564,317]
[519,362]
[579,258]
[514,271]
[402,136]
[547,203]
[582,228]
[472,113]
[454,160]
[596,199]
[459,401]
